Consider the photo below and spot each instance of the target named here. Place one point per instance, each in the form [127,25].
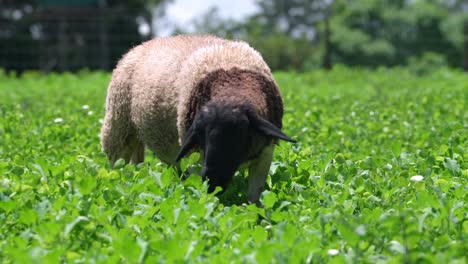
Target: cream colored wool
[151,85]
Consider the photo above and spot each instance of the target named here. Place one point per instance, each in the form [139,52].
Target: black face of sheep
[225,134]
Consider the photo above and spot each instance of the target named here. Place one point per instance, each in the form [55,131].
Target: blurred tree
[293,17]
[363,32]
[211,22]
[301,20]
[279,50]
[388,32]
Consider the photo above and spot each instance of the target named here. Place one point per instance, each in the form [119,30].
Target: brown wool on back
[239,87]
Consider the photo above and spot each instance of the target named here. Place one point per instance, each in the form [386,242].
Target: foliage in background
[389,32]
[379,176]
[293,34]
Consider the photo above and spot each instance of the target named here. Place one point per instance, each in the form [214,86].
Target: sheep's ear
[188,143]
[269,129]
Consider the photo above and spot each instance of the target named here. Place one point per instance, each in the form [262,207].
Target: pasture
[379,175]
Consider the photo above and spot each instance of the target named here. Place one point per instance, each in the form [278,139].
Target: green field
[379,175]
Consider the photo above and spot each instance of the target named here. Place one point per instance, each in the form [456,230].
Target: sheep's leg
[258,172]
[118,137]
[138,155]
[118,141]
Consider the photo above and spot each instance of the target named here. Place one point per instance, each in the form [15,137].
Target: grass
[379,176]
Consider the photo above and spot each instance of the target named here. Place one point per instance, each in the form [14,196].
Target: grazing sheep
[185,93]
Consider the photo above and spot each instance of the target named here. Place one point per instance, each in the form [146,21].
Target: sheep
[200,93]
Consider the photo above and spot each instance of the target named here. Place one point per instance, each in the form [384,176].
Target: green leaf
[269,199]
[259,235]
[27,216]
[69,227]
[348,234]
[87,185]
[119,164]
[452,166]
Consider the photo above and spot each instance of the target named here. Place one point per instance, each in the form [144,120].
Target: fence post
[62,44]
[103,37]
[327,56]
[104,41]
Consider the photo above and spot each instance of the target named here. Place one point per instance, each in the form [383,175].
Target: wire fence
[61,39]
[67,40]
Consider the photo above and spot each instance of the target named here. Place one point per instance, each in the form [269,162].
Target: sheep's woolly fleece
[155,87]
